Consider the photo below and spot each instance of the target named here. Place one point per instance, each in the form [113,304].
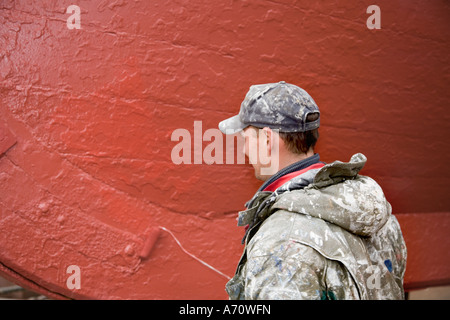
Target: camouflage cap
[280,106]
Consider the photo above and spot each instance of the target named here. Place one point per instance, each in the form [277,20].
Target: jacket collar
[302,164]
[258,208]
[297,166]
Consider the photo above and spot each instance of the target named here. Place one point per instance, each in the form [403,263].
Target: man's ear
[268,133]
[270,166]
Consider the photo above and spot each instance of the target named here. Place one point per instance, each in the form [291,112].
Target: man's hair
[301,142]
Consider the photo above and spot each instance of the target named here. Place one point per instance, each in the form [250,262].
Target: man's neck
[293,166]
[291,158]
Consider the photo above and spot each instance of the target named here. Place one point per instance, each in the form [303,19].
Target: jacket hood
[337,194]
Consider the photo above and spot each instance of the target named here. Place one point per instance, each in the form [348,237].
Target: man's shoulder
[283,229]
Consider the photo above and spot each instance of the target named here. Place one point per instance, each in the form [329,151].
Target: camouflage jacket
[326,234]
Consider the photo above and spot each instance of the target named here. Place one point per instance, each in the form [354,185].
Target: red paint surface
[86,118]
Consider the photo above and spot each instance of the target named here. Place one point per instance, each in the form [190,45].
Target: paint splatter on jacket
[325,234]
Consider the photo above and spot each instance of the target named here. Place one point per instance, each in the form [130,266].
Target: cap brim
[232,125]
